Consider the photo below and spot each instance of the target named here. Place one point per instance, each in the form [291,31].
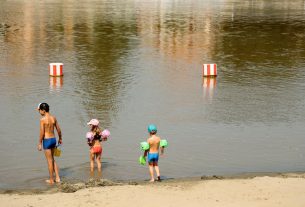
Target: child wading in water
[48,124]
[94,140]
[153,152]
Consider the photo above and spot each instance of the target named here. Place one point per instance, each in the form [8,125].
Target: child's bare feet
[57,180]
[152,180]
[50,182]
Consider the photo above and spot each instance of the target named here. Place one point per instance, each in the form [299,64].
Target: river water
[135,62]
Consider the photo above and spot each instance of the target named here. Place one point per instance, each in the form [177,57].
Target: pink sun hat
[93,122]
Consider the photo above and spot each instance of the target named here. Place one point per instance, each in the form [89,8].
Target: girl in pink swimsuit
[94,140]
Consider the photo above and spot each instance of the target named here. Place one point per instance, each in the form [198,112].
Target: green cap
[163,143]
[142,160]
[152,128]
[144,146]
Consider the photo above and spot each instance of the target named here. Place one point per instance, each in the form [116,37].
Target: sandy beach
[282,190]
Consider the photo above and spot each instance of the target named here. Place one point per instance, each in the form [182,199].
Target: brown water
[131,63]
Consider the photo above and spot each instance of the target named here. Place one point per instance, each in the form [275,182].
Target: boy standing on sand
[153,152]
[47,139]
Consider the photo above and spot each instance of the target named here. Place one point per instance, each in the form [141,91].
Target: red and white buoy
[56,69]
[209,70]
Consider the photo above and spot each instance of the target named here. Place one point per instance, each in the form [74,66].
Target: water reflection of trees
[265,47]
[99,68]
[262,42]
[263,57]
[94,41]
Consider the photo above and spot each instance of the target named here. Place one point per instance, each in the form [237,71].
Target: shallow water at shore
[132,63]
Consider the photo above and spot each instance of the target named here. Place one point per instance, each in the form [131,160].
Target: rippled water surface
[131,63]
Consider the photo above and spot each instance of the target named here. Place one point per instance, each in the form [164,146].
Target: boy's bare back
[154,143]
[48,122]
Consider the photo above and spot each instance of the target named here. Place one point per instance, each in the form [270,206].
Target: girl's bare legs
[50,161]
[98,162]
[151,172]
[91,162]
[91,174]
[99,174]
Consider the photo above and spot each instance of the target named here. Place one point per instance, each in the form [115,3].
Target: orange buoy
[56,69]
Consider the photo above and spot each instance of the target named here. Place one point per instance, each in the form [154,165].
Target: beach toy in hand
[57,151]
[144,146]
[89,136]
[105,133]
[163,143]
[142,160]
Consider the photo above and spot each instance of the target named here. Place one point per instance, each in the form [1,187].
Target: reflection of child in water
[94,140]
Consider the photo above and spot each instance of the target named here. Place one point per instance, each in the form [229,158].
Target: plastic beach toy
[144,146]
[163,143]
[142,160]
[105,133]
[57,151]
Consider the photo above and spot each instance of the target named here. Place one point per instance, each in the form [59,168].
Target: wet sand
[247,190]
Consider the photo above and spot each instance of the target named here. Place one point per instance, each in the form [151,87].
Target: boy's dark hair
[44,106]
[153,132]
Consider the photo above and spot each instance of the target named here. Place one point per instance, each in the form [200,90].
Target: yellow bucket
[57,152]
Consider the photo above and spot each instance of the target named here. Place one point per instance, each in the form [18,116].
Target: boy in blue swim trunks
[153,152]
[47,139]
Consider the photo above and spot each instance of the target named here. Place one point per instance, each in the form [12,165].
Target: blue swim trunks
[153,157]
[49,143]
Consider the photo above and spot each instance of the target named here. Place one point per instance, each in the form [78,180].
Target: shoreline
[276,190]
[71,187]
